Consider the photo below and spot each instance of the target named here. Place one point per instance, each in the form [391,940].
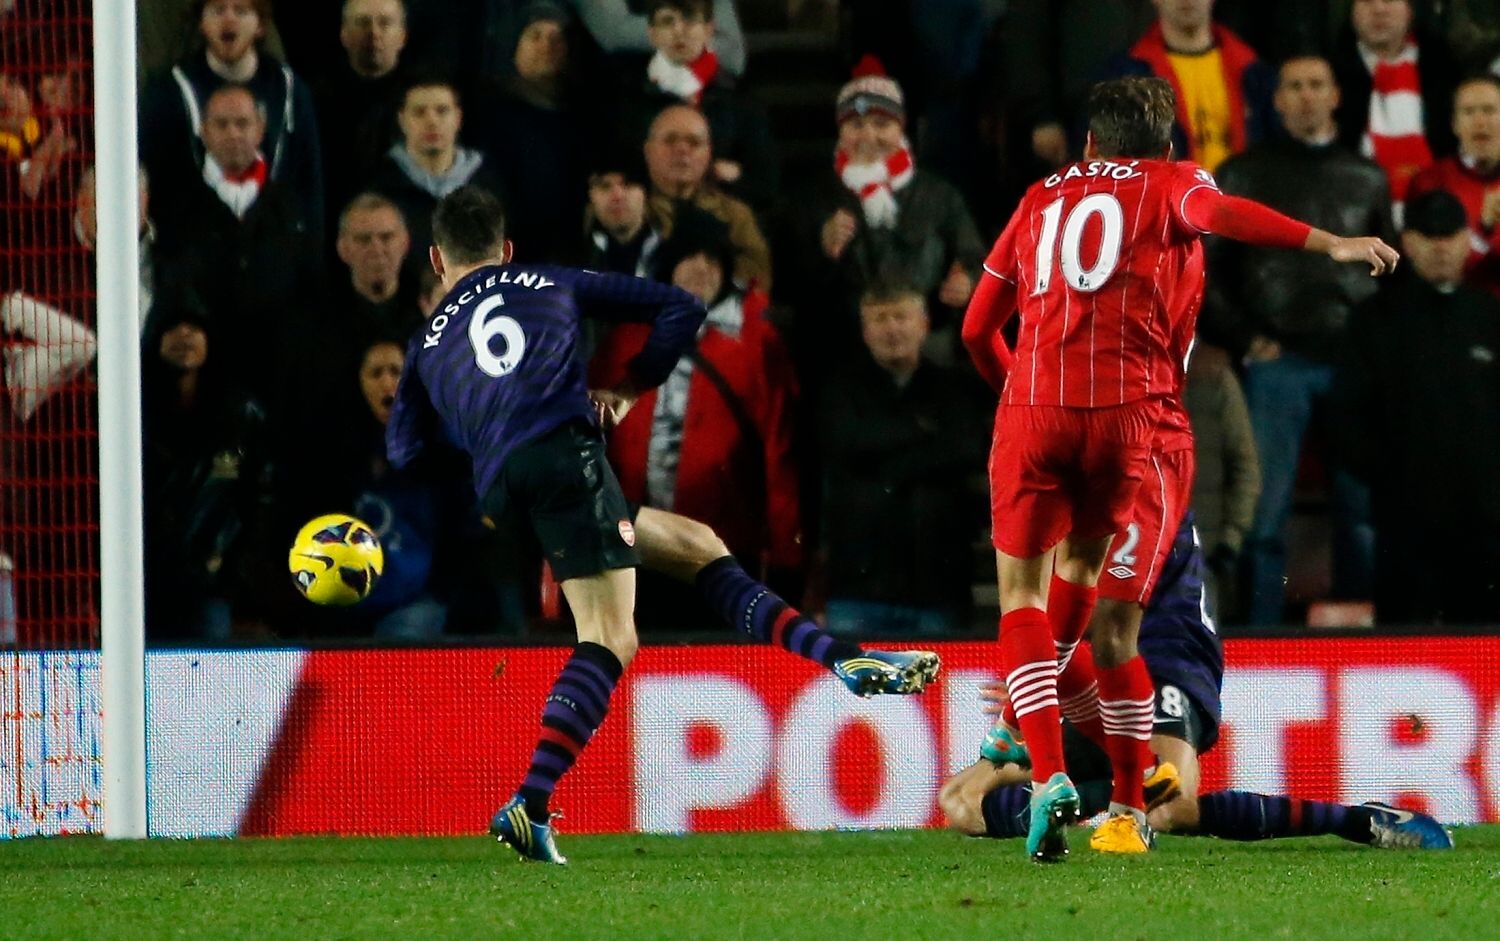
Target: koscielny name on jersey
[1104,168]
[524,279]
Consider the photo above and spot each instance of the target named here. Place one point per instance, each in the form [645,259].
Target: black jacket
[260,279]
[1417,403]
[900,515]
[206,477]
[357,118]
[417,204]
[1438,71]
[1300,299]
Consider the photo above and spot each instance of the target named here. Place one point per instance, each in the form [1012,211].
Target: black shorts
[1181,716]
[1178,715]
[563,483]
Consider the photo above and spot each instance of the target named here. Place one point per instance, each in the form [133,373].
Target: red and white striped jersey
[1108,274]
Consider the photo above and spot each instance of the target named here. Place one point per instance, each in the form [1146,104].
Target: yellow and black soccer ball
[336,560]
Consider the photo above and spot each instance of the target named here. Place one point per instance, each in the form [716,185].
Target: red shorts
[1056,471]
[1137,555]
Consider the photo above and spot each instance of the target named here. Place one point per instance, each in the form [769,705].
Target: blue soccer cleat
[1003,746]
[1394,828]
[514,827]
[1054,806]
[882,671]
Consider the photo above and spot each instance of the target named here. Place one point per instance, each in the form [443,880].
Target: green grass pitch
[895,886]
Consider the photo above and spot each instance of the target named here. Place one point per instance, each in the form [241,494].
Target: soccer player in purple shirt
[499,372]
[1185,658]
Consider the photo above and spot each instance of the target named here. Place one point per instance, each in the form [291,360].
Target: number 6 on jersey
[482,331]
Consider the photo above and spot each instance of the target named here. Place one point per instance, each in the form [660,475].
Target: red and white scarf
[684,81]
[876,184]
[237,190]
[1394,138]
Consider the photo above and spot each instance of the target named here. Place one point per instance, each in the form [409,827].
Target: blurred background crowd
[827,177]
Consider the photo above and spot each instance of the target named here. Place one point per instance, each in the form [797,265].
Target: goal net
[50,771]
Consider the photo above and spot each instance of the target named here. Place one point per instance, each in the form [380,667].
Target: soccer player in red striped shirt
[1098,259]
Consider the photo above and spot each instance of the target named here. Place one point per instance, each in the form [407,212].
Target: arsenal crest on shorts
[627,532]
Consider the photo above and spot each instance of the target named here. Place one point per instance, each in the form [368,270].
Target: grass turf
[828,885]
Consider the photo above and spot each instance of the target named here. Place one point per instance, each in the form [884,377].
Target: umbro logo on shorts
[1122,572]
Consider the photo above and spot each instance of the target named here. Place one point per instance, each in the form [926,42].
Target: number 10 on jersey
[1070,248]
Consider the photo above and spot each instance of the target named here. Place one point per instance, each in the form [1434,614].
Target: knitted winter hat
[870,90]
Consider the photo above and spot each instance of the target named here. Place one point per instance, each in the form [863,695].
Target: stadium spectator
[537,132]
[622,235]
[378,295]
[238,237]
[1287,311]
[685,69]
[1418,398]
[206,477]
[86,230]
[714,442]
[621,28]
[1051,52]
[1397,84]
[875,216]
[428,163]
[1473,175]
[173,105]
[1223,89]
[358,95]
[1226,482]
[37,177]
[902,446]
[679,152]
[47,465]
[166,30]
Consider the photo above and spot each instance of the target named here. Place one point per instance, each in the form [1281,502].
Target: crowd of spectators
[827,425]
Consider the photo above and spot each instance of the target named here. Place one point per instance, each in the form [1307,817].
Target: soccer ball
[336,560]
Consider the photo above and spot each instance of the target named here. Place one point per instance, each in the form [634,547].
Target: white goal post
[121,530]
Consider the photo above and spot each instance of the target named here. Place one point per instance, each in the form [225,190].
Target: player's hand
[1489,210]
[1372,251]
[995,697]
[838,232]
[611,406]
[728,171]
[1263,350]
[956,287]
[1050,144]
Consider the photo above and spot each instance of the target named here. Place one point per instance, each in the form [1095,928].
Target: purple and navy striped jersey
[1179,640]
[502,360]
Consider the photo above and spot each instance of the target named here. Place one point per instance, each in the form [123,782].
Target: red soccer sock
[1127,703]
[1069,608]
[1078,695]
[1031,678]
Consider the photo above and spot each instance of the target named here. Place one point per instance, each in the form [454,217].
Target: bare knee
[1113,632]
[1081,560]
[675,545]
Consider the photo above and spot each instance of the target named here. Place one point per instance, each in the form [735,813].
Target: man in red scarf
[1397,84]
[685,70]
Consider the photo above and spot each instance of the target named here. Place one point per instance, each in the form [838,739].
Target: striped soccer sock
[753,608]
[575,708]
[1026,654]
[1243,815]
[1127,705]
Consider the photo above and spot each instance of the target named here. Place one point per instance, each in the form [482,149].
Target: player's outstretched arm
[1245,220]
